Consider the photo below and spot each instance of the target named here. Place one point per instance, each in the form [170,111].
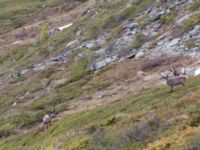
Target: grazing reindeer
[178,72]
[174,81]
[47,120]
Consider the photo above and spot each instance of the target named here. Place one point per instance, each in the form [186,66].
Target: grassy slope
[81,131]
[177,112]
[14,14]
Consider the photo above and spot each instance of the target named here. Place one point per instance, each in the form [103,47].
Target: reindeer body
[175,81]
[47,120]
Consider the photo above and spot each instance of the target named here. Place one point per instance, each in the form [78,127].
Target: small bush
[91,128]
[134,136]
[15,80]
[138,42]
[25,118]
[141,132]
[79,69]
[7,131]
[195,6]
[157,62]
[191,22]
[100,86]
[190,44]
[99,140]
[109,121]
[177,31]
[194,113]
[79,144]
[114,19]
[47,73]
[122,71]
[43,33]
[166,19]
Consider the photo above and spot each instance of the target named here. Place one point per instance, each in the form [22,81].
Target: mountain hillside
[100,66]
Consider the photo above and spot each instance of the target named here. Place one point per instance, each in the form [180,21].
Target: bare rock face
[156,13]
[100,1]
[139,55]
[195,32]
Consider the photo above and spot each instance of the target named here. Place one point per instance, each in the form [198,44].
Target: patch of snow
[65,27]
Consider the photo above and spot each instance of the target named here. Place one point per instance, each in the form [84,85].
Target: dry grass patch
[167,62]
[123,71]
[177,141]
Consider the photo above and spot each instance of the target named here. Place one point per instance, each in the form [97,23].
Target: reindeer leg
[50,123]
[46,126]
[171,89]
[43,126]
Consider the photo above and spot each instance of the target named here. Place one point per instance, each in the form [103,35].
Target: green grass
[14,14]
[191,22]
[111,18]
[195,6]
[190,44]
[169,18]
[138,42]
[108,123]
[119,122]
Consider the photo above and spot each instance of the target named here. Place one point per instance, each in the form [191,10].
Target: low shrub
[79,144]
[191,22]
[194,114]
[167,19]
[139,41]
[100,86]
[43,33]
[158,62]
[7,131]
[79,70]
[26,118]
[122,71]
[195,6]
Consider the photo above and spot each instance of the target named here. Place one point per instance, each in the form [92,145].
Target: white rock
[100,64]
[39,67]
[17,42]
[139,55]
[65,27]
[24,71]
[14,103]
[72,43]
[197,72]
[174,42]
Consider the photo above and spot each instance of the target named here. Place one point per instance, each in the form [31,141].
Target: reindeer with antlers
[174,80]
[178,71]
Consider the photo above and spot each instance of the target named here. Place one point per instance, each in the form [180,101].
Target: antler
[161,75]
[164,76]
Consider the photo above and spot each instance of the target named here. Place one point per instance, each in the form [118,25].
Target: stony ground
[101,75]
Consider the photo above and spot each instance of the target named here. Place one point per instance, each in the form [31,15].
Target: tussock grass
[71,131]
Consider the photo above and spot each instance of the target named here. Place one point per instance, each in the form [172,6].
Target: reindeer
[178,72]
[47,120]
[174,81]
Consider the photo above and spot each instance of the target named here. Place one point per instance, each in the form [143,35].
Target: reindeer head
[52,114]
[172,69]
[164,76]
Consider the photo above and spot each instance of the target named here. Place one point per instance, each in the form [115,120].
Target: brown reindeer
[174,81]
[178,71]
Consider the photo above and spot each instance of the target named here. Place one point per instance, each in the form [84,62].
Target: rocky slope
[98,65]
